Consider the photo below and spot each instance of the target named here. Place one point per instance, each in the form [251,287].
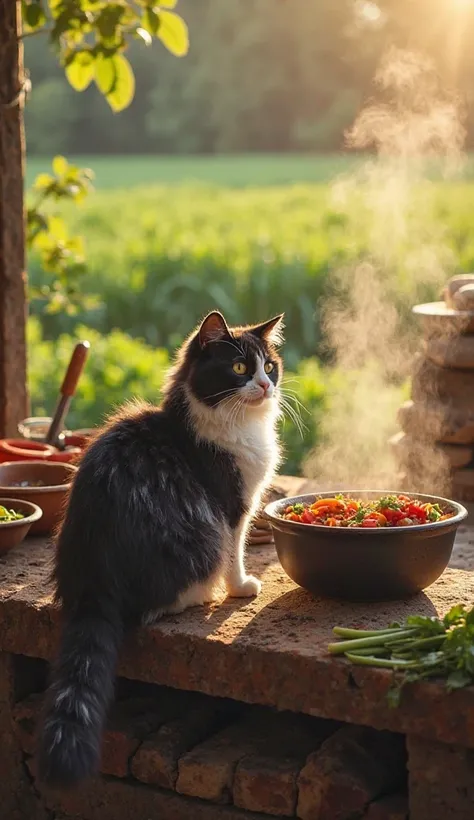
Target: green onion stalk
[422,647]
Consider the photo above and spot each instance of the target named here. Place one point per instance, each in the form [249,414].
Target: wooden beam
[13,389]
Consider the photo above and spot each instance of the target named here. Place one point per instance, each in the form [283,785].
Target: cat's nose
[264,385]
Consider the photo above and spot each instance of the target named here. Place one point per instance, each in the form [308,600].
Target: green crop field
[250,235]
[235,171]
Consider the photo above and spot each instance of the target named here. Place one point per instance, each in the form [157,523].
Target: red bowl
[20,449]
[69,456]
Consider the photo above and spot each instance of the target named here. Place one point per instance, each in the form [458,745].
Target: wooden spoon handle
[75,368]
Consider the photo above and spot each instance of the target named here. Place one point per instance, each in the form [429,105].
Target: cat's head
[223,367]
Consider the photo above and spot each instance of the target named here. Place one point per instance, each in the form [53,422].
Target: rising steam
[390,203]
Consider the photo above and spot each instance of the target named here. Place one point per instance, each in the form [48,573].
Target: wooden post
[13,389]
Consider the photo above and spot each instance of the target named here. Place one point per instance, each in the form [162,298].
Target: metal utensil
[68,388]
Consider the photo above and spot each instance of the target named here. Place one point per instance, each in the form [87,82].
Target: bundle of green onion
[421,647]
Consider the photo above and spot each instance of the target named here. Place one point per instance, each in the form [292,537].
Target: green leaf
[429,625]
[115,78]
[455,614]
[104,74]
[57,228]
[150,21]
[470,617]
[167,4]
[173,33]
[60,165]
[33,14]
[124,88]
[43,181]
[80,71]
[109,19]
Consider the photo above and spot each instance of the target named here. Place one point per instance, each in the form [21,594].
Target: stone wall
[175,755]
[170,755]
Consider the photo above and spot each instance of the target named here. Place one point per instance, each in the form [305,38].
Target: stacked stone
[261,530]
[282,487]
[435,451]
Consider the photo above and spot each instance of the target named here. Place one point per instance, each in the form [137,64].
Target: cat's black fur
[136,533]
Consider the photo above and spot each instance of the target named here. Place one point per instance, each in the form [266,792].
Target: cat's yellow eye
[268,367]
[240,368]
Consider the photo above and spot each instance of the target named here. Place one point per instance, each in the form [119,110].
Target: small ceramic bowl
[50,496]
[12,533]
[20,449]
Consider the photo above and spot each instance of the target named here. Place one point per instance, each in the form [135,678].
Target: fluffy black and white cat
[157,520]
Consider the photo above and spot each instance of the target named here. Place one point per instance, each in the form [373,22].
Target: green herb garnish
[389,502]
[359,515]
[422,647]
[435,513]
[9,515]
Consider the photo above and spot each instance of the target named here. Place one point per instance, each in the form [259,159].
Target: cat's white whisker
[293,415]
[295,399]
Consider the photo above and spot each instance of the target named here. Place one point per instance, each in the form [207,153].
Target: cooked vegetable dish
[388,511]
[6,516]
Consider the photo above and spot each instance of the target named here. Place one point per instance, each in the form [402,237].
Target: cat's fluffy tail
[82,688]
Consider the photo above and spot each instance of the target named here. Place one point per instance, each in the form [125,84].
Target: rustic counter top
[270,650]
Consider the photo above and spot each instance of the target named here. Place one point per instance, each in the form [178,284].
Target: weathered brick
[208,770]
[266,779]
[156,760]
[350,770]
[267,785]
[111,799]
[441,781]
[132,720]
[393,807]
[17,796]
[129,722]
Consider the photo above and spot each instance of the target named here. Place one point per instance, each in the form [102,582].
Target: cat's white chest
[251,440]
[256,454]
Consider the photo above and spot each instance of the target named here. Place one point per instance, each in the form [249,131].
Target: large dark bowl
[356,564]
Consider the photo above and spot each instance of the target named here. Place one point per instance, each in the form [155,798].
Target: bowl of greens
[365,546]
[16,518]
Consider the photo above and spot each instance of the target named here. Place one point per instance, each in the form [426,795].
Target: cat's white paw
[248,587]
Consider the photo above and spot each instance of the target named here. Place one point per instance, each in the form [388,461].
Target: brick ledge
[270,651]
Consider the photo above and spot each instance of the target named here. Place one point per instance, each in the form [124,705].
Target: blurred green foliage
[260,75]
[160,257]
[121,368]
[60,255]
[89,39]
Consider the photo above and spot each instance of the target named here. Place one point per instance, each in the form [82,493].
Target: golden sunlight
[462,5]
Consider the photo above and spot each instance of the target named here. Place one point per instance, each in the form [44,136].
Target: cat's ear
[213,328]
[271,331]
